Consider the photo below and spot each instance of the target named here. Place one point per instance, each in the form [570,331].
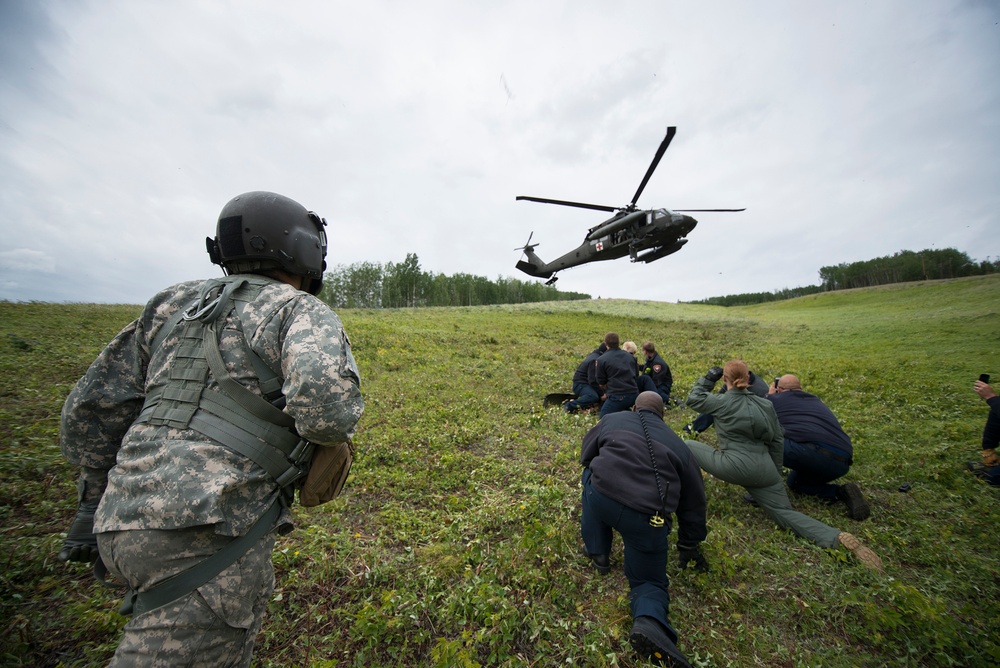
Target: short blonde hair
[629,347]
[737,374]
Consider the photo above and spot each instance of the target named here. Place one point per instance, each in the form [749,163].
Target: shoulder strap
[270,382]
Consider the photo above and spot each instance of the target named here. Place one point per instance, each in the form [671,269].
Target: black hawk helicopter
[643,235]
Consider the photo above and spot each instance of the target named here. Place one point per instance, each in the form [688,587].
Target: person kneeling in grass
[817,450]
[637,473]
[751,451]
[989,469]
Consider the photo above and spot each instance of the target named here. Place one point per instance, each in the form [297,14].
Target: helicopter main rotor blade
[697,210]
[580,205]
[671,131]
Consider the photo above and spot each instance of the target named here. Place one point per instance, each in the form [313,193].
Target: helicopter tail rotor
[528,246]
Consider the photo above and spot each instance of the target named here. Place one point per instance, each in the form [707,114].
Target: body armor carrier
[233,415]
[244,422]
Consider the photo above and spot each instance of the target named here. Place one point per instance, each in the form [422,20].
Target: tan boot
[863,554]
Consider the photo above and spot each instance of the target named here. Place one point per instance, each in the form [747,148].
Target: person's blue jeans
[618,402]
[646,549]
[586,396]
[811,468]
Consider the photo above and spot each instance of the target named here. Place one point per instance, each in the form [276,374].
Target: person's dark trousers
[991,433]
[645,383]
[586,396]
[812,466]
[618,402]
[664,392]
[646,549]
[993,476]
[702,422]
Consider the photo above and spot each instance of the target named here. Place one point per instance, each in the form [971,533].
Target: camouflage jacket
[159,477]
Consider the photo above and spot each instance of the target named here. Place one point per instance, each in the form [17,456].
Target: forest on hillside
[902,267]
[404,284]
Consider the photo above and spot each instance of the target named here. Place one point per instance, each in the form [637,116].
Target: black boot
[601,562]
[857,507]
[650,639]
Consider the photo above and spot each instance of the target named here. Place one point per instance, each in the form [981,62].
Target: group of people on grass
[638,473]
[611,377]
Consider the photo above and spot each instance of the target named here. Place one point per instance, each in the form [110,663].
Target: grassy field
[457,541]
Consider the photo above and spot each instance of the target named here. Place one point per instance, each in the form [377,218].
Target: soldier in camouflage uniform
[158,495]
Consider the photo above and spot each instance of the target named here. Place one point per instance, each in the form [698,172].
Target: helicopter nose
[684,222]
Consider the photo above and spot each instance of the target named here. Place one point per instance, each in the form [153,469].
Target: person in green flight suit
[751,448]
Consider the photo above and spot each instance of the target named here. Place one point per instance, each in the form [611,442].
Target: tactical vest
[244,422]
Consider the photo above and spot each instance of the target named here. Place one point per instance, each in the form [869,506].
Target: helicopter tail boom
[534,265]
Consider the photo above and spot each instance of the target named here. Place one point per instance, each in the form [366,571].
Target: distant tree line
[904,267]
[747,298]
[901,267]
[404,284]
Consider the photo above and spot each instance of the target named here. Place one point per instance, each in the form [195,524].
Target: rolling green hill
[457,542]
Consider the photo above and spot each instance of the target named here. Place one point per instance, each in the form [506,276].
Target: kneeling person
[817,451]
[637,472]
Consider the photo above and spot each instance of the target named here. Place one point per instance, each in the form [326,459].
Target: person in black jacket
[585,387]
[637,473]
[617,374]
[989,469]
[656,368]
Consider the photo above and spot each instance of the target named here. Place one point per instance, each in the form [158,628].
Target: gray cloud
[849,130]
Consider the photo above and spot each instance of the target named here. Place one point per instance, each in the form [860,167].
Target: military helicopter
[643,235]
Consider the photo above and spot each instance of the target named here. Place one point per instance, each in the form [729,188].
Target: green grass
[457,540]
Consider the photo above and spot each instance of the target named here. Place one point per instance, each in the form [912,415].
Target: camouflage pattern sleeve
[103,404]
[322,384]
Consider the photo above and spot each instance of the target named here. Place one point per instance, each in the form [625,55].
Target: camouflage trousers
[215,625]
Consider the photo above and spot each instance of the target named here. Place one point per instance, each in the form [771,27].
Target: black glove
[714,374]
[81,542]
[692,555]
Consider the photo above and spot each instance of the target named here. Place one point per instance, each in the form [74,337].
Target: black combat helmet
[262,230]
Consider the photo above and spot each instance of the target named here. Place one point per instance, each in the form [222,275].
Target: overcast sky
[848,129]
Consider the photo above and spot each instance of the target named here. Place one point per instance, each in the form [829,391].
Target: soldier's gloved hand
[714,374]
[990,458]
[81,542]
[692,555]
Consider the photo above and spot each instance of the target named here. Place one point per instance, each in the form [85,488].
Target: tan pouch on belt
[327,473]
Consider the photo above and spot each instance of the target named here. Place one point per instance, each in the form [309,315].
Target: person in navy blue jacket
[817,450]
